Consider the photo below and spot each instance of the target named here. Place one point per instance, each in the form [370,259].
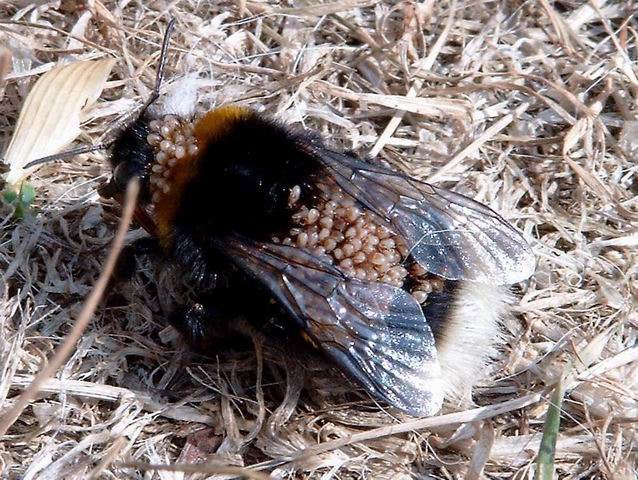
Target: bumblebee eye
[123,173]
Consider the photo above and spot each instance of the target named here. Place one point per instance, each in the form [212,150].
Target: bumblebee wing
[375,332]
[448,234]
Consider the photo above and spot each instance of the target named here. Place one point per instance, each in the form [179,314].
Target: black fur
[438,307]
[244,180]
[242,186]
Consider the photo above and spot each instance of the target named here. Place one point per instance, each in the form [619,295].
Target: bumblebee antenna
[159,78]
[68,154]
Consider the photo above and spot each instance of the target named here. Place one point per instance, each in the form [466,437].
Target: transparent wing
[375,332]
[450,235]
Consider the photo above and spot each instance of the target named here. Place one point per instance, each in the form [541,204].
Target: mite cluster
[354,241]
[172,140]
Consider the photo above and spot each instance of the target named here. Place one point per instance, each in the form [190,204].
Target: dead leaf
[50,116]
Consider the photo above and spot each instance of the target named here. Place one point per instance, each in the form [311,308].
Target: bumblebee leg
[224,318]
[205,322]
[194,324]
[126,263]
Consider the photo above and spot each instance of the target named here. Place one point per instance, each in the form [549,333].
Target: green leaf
[27,194]
[9,196]
[20,200]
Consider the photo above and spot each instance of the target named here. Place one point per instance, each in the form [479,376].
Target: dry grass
[527,106]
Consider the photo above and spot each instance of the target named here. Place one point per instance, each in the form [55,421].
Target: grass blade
[547,450]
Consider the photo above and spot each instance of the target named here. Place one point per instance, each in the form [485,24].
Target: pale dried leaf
[326,8]
[481,453]
[50,116]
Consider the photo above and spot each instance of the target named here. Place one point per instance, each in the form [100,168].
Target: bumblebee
[400,283]
[397,281]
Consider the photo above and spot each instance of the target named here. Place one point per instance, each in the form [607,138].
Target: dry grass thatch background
[529,106]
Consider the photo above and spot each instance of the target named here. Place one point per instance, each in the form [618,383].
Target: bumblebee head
[131,156]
